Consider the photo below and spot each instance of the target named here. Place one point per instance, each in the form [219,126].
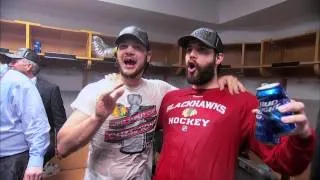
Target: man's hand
[232,83]
[107,101]
[33,173]
[299,118]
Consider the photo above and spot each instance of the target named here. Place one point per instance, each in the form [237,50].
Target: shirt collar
[34,79]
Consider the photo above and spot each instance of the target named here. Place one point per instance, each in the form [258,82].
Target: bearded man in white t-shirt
[118,115]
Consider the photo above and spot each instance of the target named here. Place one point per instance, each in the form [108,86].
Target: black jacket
[53,104]
[315,170]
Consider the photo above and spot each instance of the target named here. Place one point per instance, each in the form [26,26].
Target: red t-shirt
[204,130]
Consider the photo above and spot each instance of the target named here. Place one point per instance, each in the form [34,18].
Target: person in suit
[24,126]
[53,103]
[315,174]
[50,95]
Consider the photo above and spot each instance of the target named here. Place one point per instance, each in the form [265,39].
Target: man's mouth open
[191,67]
[129,63]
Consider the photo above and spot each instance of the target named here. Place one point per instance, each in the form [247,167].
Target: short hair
[35,67]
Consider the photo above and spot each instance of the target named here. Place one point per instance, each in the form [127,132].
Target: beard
[136,73]
[202,75]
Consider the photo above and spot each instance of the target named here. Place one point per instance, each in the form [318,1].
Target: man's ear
[29,67]
[149,54]
[219,58]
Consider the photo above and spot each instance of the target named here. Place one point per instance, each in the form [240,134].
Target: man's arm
[35,126]
[290,157]
[294,152]
[77,132]
[232,83]
[80,127]
[57,109]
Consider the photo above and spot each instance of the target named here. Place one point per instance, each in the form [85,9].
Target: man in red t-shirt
[204,128]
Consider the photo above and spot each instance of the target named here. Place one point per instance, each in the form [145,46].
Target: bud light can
[269,124]
[264,130]
[37,46]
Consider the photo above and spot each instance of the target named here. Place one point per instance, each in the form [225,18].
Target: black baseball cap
[4,50]
[207,36]
[133,32]
[24,53]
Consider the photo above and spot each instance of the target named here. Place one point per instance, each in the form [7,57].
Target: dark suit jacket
[315,170]
[52,101]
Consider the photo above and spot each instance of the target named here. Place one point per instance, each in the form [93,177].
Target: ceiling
[166,17]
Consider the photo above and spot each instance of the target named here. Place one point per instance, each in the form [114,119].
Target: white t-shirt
[122,147]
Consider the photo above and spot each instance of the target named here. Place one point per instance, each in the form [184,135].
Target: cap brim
[185,40]
[13,56]
[128,36]
[3,51]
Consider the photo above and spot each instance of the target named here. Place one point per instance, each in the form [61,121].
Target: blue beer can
[269,124]
[264,130]
[37,46]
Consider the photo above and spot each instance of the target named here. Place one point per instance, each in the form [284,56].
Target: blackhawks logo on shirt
[189,112]
[119,111]
[132,126]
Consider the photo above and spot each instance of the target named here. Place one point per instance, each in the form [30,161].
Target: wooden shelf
[300,52]
[310,63]
[252,55]
[13,35]
[59,40]
[299,48]
[233,55]
[164,53]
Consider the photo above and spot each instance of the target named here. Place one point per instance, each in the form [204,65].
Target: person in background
[49,92]
[315,173]
[118,115]
[24,127]
[204,128]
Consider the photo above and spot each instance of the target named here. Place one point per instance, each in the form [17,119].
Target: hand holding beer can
[269,126]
